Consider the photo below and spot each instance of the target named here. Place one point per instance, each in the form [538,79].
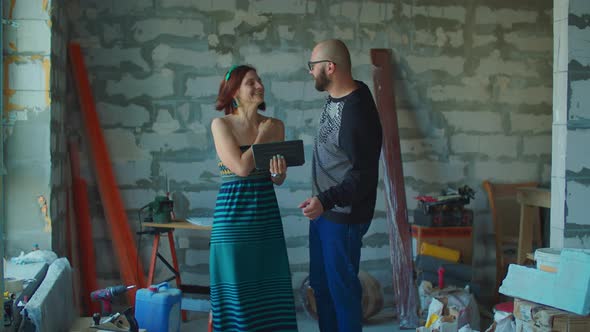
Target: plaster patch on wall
[44,213]
[577,203]
[458,93]
[274,62]
[132,115]
[285,32]
[527,122]
[158,85]
[481,40]
[503,16]
[495,170]
[282,7]
[577,156]
[439,38]
[527,96]
[165,123]
[451,65]
[164,54]
[122,145]
[203,86]
[348,33]
[524,41]
[432,171]
[445,12]
[579,241]
[494,65]
[153,28]
[115,57]
[579,7]
[190,172]
[130,172]
[209,5]
[250,18]
[578,40]
[579,100]
[213,40]
[174,142]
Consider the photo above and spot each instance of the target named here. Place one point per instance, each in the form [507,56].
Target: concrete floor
[384,321]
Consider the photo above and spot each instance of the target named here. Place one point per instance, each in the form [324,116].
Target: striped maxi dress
[249,268]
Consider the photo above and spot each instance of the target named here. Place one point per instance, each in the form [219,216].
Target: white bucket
[547,259]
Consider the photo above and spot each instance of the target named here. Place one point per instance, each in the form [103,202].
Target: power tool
[159,211]
[106,295]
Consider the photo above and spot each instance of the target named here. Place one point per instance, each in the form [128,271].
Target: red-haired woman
[249,268]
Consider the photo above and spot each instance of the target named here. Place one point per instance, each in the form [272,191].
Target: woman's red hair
[228,88]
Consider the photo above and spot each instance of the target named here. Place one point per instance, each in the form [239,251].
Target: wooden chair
[506,221]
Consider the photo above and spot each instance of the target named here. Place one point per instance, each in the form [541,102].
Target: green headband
[229,72]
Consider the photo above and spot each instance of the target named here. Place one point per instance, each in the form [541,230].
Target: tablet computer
[291,150]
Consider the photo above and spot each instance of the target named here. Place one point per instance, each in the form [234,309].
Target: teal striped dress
[249,269]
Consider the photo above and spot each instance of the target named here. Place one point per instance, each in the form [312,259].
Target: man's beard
[322,81]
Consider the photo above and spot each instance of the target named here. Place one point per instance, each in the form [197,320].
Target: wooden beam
[130,266]
[84,234]
[400,238]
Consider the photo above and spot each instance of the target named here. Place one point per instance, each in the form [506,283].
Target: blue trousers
[335,252]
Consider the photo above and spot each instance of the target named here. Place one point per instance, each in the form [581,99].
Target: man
[345,171]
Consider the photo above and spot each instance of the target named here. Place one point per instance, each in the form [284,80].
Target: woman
[249,269]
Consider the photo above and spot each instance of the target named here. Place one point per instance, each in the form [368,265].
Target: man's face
[318,71]
[318,66]
[321,79]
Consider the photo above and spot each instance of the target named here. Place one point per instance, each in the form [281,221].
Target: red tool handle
[441,277]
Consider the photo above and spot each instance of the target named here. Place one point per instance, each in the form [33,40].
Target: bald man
[345,171]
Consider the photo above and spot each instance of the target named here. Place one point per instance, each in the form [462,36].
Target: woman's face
[251,91]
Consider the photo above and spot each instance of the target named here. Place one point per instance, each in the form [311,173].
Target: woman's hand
[278,169]
[265,131]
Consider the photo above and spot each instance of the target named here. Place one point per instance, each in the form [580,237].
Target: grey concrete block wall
[61,199]
[571,176]
[473,87]
[28,134]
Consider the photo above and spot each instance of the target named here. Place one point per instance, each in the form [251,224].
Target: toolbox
[447,210]
[445,216]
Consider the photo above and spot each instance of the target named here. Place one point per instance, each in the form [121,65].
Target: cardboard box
[458,238]
[536,317]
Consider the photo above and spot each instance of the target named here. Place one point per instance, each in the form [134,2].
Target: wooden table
[530,199]
[157,229]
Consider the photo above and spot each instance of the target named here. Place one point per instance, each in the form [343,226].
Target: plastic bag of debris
[457,303]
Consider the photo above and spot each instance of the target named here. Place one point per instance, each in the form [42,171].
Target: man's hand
[312,208]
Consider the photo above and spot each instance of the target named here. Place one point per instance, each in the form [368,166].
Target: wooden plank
[177,224]
[528,216]
[400,239]
[84,233]
[130,266]
[534,196]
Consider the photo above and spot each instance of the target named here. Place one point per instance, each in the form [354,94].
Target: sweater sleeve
[360,138]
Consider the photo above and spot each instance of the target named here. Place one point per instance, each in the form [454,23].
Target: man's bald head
[335,51]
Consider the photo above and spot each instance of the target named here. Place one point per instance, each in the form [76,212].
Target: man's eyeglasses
[311,63]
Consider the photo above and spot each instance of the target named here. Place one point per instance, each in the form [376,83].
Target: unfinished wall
[27,112]
[570,226]
[60,168]
[473,87]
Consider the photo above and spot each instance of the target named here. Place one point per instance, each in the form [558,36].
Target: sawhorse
[157,229]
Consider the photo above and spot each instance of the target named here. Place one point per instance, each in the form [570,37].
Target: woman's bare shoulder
[221,123]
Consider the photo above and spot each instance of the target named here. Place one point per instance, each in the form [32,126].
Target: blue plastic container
[157,308]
